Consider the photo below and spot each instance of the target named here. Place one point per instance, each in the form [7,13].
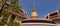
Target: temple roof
[34,18]
[37,21]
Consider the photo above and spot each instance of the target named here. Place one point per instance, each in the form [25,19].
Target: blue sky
[43,7]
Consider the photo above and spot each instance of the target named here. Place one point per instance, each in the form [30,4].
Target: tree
[12,5]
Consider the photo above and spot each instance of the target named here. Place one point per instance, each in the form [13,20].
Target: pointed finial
[34,7]
[33,4]
[34,13]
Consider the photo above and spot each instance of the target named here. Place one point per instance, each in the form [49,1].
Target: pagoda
[34,20]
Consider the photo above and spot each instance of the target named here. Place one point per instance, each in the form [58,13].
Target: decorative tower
[34,20]
[34,13]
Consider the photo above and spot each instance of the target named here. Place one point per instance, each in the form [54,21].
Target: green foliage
[14,6]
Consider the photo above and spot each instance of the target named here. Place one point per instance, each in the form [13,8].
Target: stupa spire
[34,13]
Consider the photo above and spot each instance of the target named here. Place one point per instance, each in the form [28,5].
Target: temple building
[34,20]
[55,17]
[19,16]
